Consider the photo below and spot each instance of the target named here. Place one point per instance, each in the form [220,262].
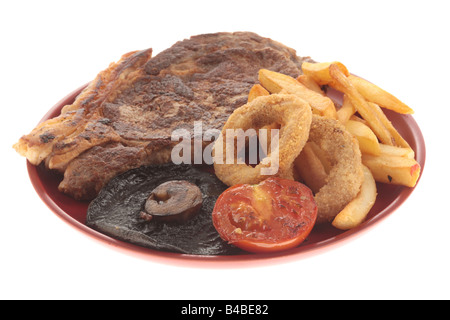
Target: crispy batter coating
[294,117]
[346,174]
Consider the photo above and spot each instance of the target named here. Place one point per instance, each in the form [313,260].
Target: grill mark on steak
[126,116]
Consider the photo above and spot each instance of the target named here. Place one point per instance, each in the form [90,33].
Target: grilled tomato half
[277,214]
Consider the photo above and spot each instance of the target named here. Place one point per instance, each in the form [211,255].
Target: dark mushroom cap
[116,211]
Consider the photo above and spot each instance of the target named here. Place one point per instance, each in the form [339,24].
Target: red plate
[389,198]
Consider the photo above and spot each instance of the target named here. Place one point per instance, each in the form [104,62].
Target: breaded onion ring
[346,174]
[294,117]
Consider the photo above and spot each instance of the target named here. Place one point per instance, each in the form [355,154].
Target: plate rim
[246,260]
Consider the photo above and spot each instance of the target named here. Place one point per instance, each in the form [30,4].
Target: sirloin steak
[125,117]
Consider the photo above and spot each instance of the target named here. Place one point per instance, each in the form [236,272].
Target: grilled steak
[125,117]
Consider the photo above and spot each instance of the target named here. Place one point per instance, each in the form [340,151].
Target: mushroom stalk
[176,200]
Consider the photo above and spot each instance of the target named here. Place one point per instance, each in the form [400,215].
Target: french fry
[393,169]
[276,82]
[368,141]
[375,94]
[257,91]
[321,155]
[320,72]
[356,211]
[397,151]
[346,111]
[341,83]
[354,117]
[309,82]
[310,168]
[397,139]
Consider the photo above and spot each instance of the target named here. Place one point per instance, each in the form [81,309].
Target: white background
[49,48]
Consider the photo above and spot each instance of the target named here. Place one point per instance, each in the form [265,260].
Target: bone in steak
[125,117]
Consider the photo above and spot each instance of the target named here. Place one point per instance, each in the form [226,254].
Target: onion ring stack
[298,126]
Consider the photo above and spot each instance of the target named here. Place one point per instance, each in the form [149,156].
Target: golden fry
[257,91]
[354,117]
[341,83]
[375,94]
[397,139]
[356,211]
[322,155]
[276,82]
[368,141]
[397,151]
[346,111]
[393,169]
[310,168]
[309,82]
[320,72]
